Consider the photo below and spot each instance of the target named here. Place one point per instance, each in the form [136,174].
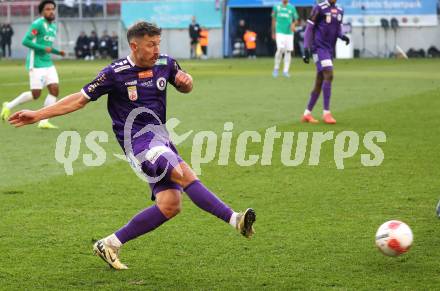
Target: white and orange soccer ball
[394,238]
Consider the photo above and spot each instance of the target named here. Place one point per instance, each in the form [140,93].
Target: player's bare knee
[328,75]
[169,209]
[36,94]
[53,89]
[169,202]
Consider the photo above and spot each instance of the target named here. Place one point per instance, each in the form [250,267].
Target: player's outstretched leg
[7,106]
[208,201]
[168,204]
[327,92]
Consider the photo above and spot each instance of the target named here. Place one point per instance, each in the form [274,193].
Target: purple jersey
[327,19]
[130,87]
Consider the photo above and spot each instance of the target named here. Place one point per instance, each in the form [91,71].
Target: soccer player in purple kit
[138,83]
[324,27]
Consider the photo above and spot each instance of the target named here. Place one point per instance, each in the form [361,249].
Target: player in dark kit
[136,88]
[322,31]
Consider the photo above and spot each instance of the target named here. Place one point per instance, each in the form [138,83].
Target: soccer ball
[394,238]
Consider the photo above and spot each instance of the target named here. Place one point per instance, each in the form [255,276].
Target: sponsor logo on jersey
[117,70]
[34,32]
[162,61]
[161,83]
[124,62]
[154,153]
[145,74]
[334,10]
[98,82]
[147,84]
[49,38]
[131,83]
[132,93]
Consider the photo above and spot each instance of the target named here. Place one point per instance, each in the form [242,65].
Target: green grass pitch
[315,224]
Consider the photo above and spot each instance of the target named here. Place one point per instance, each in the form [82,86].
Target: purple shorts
[155,162]
[323,59]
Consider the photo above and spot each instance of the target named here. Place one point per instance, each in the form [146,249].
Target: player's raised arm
[28,40]
[183,82]
[64,106]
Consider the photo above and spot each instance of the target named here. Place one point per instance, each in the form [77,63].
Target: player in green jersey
[284,17]
[39,39]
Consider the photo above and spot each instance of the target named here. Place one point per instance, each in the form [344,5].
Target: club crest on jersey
[161,83]
[132,93]
[145,74]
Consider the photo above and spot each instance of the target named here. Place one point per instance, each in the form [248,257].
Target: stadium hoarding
[266,3]
[172,14]
[406,12]
[368,12]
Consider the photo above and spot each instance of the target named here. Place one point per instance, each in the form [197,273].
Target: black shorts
[194,41]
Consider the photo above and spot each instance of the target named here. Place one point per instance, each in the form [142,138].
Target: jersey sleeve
[295,13]
[314,16]
[101,85]
[174,67]
[31,35]
[341,31]
[274,11]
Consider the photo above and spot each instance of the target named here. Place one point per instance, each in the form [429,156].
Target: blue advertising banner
[406,12]
[267,3]
[172,14]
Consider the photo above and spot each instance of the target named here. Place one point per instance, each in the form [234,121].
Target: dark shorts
[155,162]
[323,59]
[194,41]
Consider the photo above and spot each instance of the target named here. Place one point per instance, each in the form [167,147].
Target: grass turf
[315,224]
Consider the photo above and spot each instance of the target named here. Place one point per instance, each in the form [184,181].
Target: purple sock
[327,92]
[145,221]
[313,98]
[207,200]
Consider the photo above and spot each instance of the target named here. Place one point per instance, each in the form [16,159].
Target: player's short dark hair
[142,28]
[44,3]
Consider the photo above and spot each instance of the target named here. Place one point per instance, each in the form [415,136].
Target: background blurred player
[204,42]
[6,33]
[284,16]
[323,29]
[194,34]
[39,39]
[133,84]
[250,40]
